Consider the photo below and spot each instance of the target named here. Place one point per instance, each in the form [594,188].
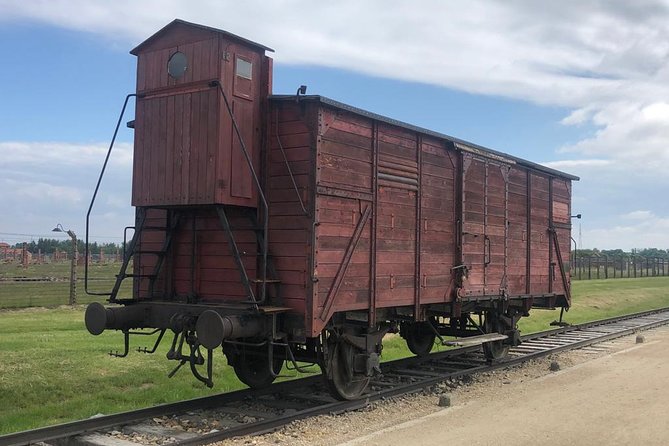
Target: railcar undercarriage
[257,343]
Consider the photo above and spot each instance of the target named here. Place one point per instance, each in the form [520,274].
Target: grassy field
[53,371]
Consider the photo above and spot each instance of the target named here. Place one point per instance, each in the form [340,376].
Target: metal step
[266,281]
[476,340]
[138,275]
[253,228]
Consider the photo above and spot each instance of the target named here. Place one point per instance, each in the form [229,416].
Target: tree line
[653,253]
[50,246]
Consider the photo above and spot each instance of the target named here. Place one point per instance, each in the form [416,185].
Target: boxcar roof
[174,22]
[459,143]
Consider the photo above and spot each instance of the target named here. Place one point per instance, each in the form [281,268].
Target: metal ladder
[264,264]
[172,221]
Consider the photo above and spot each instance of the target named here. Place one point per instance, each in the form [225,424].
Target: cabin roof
[179,22]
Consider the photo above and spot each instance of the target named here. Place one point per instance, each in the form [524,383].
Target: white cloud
[651,232]
[60,153]
[607,62]
[639,215]
[52,182]
[37,191]
[573,164]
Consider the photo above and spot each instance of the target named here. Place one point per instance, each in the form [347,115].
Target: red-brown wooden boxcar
[299,228]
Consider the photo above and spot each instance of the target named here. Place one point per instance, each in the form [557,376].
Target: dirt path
[618,399]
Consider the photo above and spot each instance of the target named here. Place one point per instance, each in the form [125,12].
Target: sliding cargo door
[484,226]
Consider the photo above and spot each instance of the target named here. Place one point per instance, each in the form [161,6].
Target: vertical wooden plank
[212,145]
[149,160]
[177,168]
[138,157]
[164,75]
[141,73]
[209,59]
[550,241]
[197,61]
[419,208]
[170,80]
[187,148]
[240,175]
[459,179]
[203,146]
[158,180]
[528,257]
[194,149]
[168,180]
[154,80]
[188,51]
[485,227]
[375,211]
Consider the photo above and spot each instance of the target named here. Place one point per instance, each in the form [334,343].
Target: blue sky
[583,91]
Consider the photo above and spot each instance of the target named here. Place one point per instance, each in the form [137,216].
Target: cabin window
[243,68]
[177,65]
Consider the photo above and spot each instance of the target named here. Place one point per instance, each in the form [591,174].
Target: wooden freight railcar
[299,228]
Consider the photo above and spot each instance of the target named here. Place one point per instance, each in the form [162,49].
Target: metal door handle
[486,256]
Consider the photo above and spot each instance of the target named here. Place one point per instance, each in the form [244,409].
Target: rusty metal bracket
[558,253]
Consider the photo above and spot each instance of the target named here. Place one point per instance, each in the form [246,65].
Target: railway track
[209,419]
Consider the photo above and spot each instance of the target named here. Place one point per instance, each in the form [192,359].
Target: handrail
[265,244]
[95,193]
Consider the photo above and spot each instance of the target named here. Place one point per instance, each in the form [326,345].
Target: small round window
[177,65]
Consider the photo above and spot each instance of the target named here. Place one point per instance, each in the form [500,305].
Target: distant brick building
[14,254]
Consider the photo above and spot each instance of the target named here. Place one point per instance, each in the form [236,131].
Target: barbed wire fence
[46,282]
[618,267]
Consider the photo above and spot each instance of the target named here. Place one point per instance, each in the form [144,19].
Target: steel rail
[471,366]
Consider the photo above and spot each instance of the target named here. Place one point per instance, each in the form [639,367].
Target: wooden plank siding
[199,266]
[366,216]
[290,227]
[518,232]
[539,237]
[438,222]
[343,166]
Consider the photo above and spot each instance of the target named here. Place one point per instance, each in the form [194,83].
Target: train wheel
[343,383]
[497,349]
[420,338]
[252,366]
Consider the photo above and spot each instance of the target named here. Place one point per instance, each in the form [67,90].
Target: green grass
[53,371]
[601,299]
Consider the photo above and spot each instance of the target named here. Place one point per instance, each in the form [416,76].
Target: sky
[580,86]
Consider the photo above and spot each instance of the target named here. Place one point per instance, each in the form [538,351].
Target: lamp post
[73,266]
